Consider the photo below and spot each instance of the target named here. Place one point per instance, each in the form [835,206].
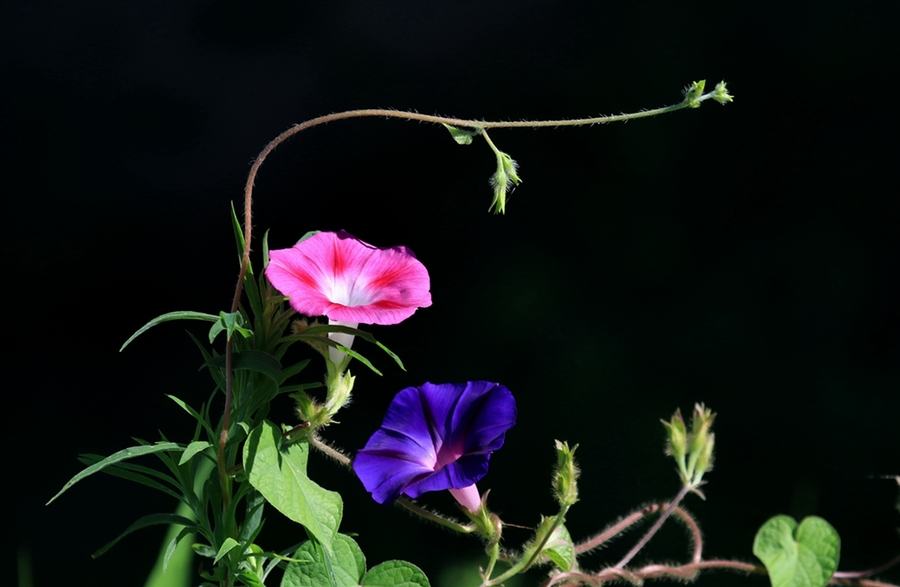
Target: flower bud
[565,479]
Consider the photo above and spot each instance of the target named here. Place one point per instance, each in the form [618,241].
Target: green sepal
[693,93]
[122,455]
[169,317]
[462,137]
[798,556]
[145,522]
[395,574]
[229,322]
[560,549]
[278,471]
[565,478]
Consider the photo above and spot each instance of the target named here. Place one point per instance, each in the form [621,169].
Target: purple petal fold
[336,275]
[435,437]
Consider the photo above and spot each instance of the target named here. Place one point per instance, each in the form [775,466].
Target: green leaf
[559,548]
[196,415]
[146,521]
[395,574]
[462,137]
[192,449]
[251,360]
[344,568]
[181,558]
[279,474]
[324,329]
[229,322]
[228,544]
[250,579]
[184,315]
[143,475]
[239,238]
[124,454]
[798,556]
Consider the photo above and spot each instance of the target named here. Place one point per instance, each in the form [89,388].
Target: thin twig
[653,529]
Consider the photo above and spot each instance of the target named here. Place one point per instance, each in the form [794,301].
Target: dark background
[746,256]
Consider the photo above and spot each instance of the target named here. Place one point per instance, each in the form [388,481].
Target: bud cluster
[692,450]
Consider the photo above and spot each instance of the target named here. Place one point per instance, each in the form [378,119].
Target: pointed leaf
[462,137]
[228,322]
[183,315]
[251,360]
[192,449]
[279,474]
[124,454]
[151,520]
[226,547]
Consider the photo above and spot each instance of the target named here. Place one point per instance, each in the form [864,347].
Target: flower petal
[435,437]
[339,276]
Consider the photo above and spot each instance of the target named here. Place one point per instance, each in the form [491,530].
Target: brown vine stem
[689,102]
[635,517]
[685,572]
[653,529]
[868,572]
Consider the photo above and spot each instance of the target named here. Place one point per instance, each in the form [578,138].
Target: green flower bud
[339,388]
[565,478]
[705,460]
[693,93]
[721,94]
[677,442]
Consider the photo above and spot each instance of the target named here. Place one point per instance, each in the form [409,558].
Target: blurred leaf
[146,521]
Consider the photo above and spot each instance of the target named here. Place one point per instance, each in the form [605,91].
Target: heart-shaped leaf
[313,567]
[395,574]
[798,556]
[279,474]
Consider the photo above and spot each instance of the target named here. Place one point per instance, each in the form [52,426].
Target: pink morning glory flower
[434,437]
[336,275]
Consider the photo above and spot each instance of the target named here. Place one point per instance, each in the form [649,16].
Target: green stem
[495,554]
[433,517]
[524,565]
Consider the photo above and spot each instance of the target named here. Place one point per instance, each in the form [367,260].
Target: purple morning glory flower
[434,437]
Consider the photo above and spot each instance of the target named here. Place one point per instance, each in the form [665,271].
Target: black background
[745,256]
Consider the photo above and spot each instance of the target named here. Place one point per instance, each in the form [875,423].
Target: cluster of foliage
[434,437]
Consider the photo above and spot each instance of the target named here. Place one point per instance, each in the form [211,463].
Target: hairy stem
[413,116]
[867,572]
[653,529]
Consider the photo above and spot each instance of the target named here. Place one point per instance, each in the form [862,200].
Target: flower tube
[435,437]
